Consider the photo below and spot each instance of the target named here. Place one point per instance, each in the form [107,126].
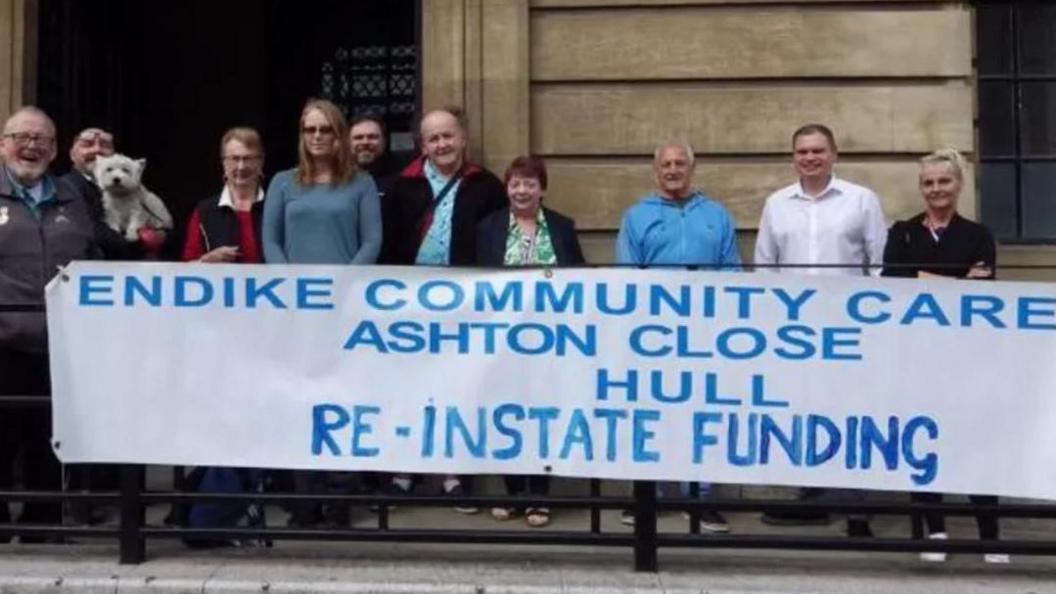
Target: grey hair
[681,144]
[946,156]
[30,110]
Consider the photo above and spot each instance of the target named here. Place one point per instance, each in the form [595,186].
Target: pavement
[90,565]
[385,568]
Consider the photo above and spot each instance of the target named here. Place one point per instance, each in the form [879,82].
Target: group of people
[346,202]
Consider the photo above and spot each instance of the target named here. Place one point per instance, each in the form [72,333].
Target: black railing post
[645,526]
[133,548]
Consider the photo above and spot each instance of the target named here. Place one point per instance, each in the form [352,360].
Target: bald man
[430,216]
[46,223]
[431,211]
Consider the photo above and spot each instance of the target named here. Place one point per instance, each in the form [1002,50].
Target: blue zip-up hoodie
[658,231]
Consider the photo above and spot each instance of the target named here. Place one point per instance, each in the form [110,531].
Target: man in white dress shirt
[826,221]
[820,219]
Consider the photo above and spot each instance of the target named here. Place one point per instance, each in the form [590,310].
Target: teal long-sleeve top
[321,223]
[660,232]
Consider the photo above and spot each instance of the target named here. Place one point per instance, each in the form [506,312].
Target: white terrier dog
[127,204]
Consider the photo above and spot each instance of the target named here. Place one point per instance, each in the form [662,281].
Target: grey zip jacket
[35,241]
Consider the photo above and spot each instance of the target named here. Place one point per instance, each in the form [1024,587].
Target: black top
[492,232]
[960,246]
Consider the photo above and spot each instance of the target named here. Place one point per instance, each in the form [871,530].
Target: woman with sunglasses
[324,211]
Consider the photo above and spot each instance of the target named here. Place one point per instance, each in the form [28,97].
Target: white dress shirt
[843,225]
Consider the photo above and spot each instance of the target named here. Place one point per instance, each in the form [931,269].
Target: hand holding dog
[225,253]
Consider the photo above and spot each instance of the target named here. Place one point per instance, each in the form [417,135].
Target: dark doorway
[169,77]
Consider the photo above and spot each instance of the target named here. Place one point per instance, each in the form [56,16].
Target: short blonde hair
[247,136]
[946,156]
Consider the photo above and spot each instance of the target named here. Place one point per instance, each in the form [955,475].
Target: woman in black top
[940,242]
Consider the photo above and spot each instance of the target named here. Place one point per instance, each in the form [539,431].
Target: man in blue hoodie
[678,226]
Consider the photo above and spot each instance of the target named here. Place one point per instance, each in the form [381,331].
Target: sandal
[537,517]
[503,513]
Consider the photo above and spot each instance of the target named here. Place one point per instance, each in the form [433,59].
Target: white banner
[945,386]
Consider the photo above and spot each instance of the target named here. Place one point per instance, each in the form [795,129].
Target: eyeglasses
[240,159]
[321,130]
[25,138]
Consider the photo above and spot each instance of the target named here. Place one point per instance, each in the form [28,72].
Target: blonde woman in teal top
[324,211]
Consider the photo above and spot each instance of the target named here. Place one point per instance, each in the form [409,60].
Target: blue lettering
[831,341]
[134,286]
[929,464]
[366,334]
[924,306]
[360,428]
[427,297]
[701,438]
[854,305]
[611,417]
[578,433]
[91,284]
[1034,307]
[639,349]
[310,289]
[794,304]
[516,440]
[487,300]
[374,288]
[985,306]
[792,446]
[641,435]
[751,448]
[455,424]
[321,427]
[832,447]
[183,287]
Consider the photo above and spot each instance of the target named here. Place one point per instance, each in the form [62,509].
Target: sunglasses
[321,130]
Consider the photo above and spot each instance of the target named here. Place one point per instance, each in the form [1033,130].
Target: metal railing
[132,531]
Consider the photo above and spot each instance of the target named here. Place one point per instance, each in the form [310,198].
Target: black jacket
[492,231]
[406,213]
[963,244]
[218,225]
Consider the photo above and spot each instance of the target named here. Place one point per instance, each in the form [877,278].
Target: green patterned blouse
[525,250]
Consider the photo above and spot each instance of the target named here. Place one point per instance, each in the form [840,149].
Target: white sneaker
[999,558]
[934,556]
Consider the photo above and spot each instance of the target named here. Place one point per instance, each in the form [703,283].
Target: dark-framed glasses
[27,138]
[241,159]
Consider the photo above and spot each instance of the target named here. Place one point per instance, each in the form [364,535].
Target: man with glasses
[87,146]
[44,224]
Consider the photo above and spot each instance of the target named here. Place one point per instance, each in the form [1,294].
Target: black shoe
[459,491]
[859,529]
[393,489]
[795,518]
[712,521]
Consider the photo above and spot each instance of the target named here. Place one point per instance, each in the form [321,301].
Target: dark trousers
[936,522]
[25,436]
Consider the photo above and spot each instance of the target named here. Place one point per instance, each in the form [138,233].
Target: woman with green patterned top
[527,234]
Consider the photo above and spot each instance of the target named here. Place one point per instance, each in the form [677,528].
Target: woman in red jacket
[226,228]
